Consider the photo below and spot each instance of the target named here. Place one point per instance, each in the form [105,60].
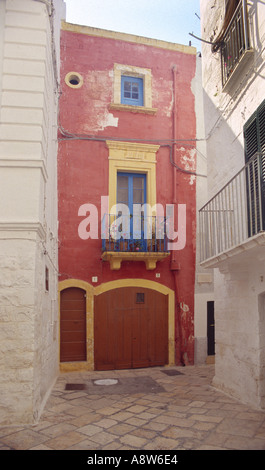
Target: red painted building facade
[127,117]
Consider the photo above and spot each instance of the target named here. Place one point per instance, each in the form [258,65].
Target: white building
[232,223]
[29,63]
[204,327]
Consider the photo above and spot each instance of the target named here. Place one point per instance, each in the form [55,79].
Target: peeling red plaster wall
[83,164]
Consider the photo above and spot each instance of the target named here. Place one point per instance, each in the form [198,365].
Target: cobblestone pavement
[142,409]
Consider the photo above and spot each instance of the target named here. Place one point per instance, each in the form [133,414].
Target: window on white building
[254,135]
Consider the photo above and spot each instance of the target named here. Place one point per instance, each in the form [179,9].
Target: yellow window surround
[135,158]
[133,71]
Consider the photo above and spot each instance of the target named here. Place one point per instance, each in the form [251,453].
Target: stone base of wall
[240,328]
[200,350]
[210,360]
[29,348]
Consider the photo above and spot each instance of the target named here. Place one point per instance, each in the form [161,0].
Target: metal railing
[236,212]
[235,42]
[124,233]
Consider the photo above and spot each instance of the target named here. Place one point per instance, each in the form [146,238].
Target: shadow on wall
[225,153]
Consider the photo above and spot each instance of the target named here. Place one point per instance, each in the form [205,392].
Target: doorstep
[210,360]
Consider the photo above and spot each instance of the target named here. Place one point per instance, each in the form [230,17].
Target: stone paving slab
[148,410]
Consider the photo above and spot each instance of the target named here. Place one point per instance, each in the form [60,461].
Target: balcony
[235,45]
[234,219]
[125,238]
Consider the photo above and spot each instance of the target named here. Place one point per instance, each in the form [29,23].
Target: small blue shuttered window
[132,91]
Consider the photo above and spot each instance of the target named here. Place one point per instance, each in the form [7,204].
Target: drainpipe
[175,267]
[174,131]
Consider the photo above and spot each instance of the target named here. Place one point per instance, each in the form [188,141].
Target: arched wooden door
[73,325]
[130,329]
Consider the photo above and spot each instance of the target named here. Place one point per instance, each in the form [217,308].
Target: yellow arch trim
[133,283]
[91,291]
[74,283]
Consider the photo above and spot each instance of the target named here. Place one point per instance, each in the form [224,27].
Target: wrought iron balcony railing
[235,213]
[236,41]
[122,233]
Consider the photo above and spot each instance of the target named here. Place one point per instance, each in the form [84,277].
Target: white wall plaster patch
[184,307]
[109,121]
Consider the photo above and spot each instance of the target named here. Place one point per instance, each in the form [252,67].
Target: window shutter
[251,138]
[261,136]
[261,127]
[254,136]
[254,133]
[132,91]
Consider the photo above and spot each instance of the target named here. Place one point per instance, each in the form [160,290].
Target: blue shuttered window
[131,190]
[132,91]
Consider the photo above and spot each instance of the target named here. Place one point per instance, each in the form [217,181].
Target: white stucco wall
[28,207]
[204,279]
[227,112]
[240,327]
[239,282]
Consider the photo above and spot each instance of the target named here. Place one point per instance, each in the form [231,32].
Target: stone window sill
[133,109]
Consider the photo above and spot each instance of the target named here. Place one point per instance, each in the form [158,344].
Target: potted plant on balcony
[138,245]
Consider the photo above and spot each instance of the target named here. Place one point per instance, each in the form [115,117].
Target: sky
[167,20]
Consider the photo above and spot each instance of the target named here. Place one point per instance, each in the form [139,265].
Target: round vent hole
[74,80]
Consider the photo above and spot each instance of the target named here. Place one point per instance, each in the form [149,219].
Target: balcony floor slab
[250,247]
[115,258]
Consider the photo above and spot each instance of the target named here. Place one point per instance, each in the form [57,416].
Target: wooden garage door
[130,329]
[73,325]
